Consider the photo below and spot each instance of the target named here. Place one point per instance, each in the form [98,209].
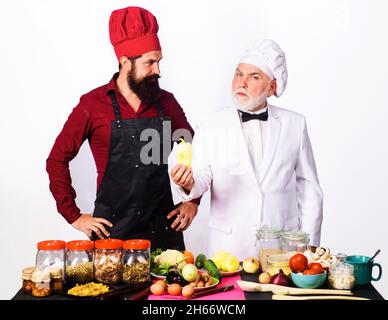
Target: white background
[52,52]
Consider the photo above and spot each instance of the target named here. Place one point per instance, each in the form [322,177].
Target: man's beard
[251,104]
[146,89]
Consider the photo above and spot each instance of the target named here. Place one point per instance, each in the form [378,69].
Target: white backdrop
[54,51]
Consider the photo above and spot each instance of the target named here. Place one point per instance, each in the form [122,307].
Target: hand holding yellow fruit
[184,153]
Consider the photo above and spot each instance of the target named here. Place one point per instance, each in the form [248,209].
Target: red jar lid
[80,245]
[51,245]
[108,244]
[139,244]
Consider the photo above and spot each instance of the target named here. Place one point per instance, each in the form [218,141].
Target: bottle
[294,241]
[79,262]
[56,277]
[41,283]
[136,262]
[269,243]
[108,261]
[51,254]
[27,279]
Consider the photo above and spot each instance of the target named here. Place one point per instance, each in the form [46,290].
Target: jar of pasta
[108,261]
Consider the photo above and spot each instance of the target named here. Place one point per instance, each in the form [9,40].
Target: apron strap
[116,108]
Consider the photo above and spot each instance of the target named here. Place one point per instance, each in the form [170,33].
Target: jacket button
[136,166]
[138,212]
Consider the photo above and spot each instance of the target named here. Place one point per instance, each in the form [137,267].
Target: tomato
[189,257]
[309,272]
[298,262]
[316,267]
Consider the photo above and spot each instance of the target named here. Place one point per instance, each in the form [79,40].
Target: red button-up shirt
[91,119]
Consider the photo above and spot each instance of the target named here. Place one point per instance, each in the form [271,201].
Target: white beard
[251,104]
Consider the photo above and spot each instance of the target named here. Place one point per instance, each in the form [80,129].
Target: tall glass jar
[294,241]
[51,254]
[79,261]
[268,242]
[136,262]
[108,261]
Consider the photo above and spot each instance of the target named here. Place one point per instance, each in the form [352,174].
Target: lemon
[219,259]
[231,264]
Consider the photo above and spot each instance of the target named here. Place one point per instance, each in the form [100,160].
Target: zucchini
[200,261]
[213,270]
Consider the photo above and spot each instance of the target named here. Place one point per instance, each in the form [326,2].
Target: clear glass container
[27,279]
[341,274]
[294,241]
[79,262]
[136,262]
[41,286]
[51,254]
[108,261]
[56,276]
[279,261]
[268,242]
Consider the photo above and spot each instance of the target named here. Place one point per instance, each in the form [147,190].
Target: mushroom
[309,255]
[324,263]
[322,253]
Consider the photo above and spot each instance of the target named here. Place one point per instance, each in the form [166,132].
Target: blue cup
[363,269]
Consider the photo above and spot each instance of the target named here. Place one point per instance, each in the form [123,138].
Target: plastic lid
[108,244]
[41,275]
[51,245]
[80,245]
[139,244]
[27,273]
[55,273]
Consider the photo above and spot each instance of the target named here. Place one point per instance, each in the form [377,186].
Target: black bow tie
[249,116]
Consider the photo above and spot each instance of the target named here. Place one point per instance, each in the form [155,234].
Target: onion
[280,279]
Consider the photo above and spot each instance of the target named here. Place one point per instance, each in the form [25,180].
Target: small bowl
[309,281]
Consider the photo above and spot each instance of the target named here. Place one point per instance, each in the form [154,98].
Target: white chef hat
[270,58]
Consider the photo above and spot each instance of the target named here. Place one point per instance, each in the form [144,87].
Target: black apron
[136,197]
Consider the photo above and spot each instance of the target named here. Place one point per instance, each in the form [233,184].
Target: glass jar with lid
[27,279]
[136,262]
[41,286]
[341,275]
[268,242]
[51,254]
[56,275]
[294,241]
[108,261]
[79,262]
[279,261]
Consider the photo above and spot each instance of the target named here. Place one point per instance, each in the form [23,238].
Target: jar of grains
[136,262]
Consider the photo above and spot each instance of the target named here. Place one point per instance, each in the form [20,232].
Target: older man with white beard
[263,173]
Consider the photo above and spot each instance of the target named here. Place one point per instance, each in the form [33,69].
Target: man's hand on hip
[88,224]
[185,215]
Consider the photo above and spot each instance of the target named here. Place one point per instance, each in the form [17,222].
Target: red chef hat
[133,32]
